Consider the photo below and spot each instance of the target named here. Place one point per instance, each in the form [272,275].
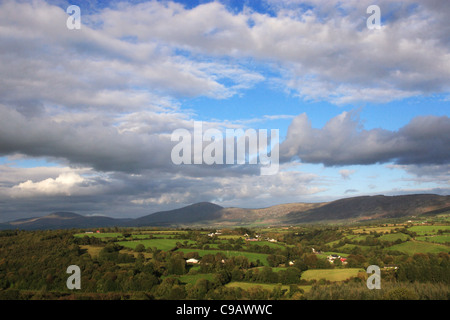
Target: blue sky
[87,114]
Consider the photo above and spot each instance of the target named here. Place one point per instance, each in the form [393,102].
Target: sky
[87,114]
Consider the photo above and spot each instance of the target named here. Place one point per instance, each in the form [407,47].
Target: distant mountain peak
[206,204]
[63,215]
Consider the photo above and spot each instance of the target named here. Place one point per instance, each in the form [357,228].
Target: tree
[140,248]
[401,294]
[176,265]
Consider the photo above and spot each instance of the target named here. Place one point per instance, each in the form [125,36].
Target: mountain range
[206,214]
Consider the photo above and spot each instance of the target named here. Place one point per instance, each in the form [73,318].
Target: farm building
[192,260]
[332,257]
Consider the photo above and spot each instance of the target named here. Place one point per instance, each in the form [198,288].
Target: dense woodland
[33,265]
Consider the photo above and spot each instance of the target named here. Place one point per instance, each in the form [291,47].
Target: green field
[99,235]
[348,247]
[140,236]
[324,255]
[266,243]
[251,256]
[161,244]
[249,285]
[435,239]
[422,230]
[394,237]
[330,274]
[171,232]
[412,247]
[376,229]
[355,237]
[230,236]
[192,279]
[156,236]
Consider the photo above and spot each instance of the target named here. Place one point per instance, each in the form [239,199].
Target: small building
[192,260]
[332,257]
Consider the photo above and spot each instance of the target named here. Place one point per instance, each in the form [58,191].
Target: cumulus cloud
[324,51]
[49,65]
[63,184]
[344,141]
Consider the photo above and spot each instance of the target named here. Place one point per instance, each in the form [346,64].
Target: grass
[249,285]
[355,237]
[376,229]
[331,274]
[91,250]
[412,247]
[140,236]
[422,230]
[156,236]
[274,245]
[99,235]
[192,279]
[324,255]
[349,247]
[436,239]
[161,244]
[171,232]
[230,236]
[394,237]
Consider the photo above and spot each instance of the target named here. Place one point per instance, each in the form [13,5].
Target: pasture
[435,238]
[99,235]
[331,274]
[412,247]
[428,230]
[160,244]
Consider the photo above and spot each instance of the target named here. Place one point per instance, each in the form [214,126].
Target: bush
[400,294]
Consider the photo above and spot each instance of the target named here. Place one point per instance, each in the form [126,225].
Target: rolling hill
[373,207]
[63,220]
[205,214]
[202,211]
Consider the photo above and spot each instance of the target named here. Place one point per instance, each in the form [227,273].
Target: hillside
[373,207]
[63,220]
[203,211]
[205,214]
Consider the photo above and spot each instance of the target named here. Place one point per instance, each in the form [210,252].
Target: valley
[290,262]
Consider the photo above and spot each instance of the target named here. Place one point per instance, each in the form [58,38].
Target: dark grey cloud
[344,141]
[105,145]
[91,144]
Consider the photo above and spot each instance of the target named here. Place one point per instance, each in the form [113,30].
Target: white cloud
[65,184]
